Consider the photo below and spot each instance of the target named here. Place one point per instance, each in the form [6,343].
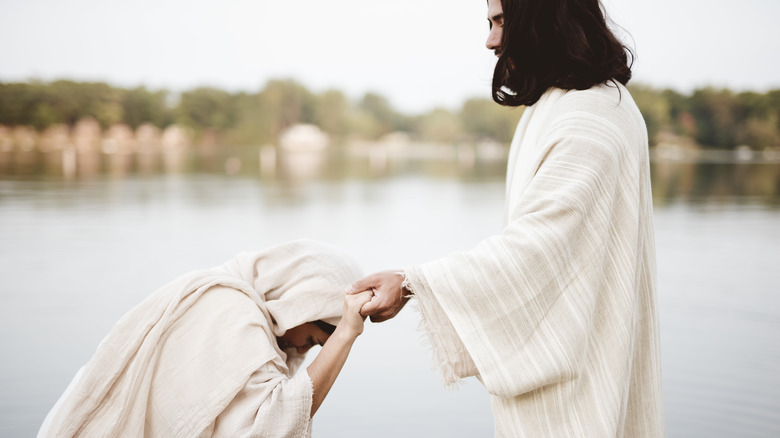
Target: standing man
[557,314]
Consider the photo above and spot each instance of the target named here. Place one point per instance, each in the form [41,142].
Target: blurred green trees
[140,106]
[41,105]
[204,108]
[710,117]
[482,118]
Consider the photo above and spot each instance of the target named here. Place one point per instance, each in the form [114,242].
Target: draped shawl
[199,356]
[556,315]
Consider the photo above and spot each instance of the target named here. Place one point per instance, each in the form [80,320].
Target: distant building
[175,137]
[303,138]
[25,138]
[119,139]
[148,137]
[87,135]
[55,138]
[6,140]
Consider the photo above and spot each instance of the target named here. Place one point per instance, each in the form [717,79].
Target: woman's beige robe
[199,357]
[557,314]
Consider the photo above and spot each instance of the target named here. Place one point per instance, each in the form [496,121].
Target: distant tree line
[247,118]
[709,117]
[712,118]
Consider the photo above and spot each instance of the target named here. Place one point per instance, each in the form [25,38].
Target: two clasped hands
[389,294]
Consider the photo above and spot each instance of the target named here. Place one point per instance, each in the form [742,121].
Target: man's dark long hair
[556,43]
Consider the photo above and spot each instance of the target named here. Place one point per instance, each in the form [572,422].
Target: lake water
[80,247]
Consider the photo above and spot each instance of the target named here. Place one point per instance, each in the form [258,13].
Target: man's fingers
[369,308]
[358,300]
[377,304]
[361,285]
[364,297]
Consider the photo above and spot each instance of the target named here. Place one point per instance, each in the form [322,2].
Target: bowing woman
[214,353]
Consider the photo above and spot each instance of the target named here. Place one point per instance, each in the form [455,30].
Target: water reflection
[701,180]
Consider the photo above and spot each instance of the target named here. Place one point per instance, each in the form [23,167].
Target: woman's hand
[351,319]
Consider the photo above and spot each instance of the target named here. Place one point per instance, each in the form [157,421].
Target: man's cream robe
[557,314]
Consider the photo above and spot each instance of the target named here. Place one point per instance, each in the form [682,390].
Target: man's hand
[388,297]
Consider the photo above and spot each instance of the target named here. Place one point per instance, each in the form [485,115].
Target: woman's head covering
[302,281]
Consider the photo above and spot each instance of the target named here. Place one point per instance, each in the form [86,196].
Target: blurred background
[142,140]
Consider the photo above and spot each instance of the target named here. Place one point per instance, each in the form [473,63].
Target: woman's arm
[328,364]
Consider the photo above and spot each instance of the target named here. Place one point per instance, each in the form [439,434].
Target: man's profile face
[496,22]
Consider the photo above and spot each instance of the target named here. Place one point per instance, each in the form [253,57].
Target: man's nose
[494,39]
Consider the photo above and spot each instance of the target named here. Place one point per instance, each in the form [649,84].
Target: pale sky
[418,53]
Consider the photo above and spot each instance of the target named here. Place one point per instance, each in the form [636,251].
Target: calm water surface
[76,253]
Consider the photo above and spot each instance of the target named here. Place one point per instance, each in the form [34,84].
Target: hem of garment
[427,301]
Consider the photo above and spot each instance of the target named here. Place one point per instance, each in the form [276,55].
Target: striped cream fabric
[199,357]
[557,314]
